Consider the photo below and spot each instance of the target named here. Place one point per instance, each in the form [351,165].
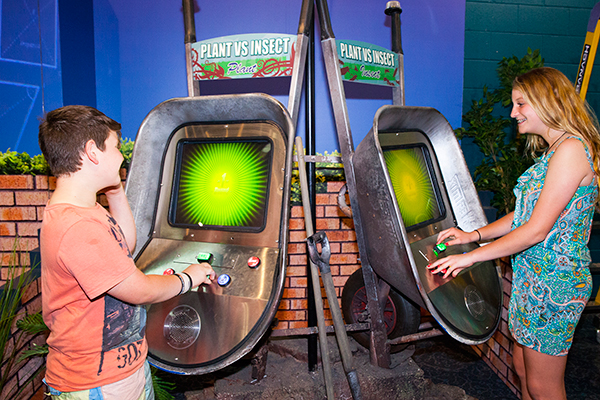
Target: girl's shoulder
[572,145]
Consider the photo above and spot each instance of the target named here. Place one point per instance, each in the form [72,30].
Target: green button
[204,257]
[438,248]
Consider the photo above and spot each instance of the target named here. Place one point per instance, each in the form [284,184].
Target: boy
[91,288]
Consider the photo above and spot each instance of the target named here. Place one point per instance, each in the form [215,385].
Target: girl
[547,232]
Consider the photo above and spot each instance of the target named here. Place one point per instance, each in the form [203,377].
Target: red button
[253,262]
[169,271]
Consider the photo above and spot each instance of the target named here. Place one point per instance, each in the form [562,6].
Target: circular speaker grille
[182,327]
[475,303]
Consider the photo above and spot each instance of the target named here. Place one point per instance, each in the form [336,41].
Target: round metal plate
[475,303]
[182,327]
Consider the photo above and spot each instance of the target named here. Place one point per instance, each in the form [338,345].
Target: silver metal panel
[163,254]
[297,78]
[468,306]
[226,315]
[205,330]
[202,341]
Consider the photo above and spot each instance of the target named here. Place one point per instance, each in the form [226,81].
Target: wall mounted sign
[367,63]
[262,55]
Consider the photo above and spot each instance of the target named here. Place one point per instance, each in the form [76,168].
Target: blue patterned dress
[551,280]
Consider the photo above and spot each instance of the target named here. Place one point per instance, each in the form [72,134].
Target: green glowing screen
[412,183]
[221,183]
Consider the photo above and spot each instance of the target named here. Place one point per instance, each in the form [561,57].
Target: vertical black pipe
[309,112]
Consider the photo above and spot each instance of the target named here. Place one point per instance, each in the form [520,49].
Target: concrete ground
[287,377]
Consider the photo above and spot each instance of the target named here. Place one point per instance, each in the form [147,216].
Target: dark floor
[445,361]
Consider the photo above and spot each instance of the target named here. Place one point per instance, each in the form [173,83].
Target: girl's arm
[567,170]
[491,231]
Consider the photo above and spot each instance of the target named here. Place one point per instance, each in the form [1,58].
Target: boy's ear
[91,151]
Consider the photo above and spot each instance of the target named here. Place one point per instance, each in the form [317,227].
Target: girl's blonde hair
[558,105]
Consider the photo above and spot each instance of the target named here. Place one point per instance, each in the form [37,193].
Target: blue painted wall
[29,50]
[139,59]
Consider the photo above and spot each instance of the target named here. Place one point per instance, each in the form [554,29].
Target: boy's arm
[120,210]
[147,289]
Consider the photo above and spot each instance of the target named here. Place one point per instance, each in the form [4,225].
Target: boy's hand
[113,190]
[201,273]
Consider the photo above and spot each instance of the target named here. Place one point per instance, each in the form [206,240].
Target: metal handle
[323,10]
[305,16]
[320,259]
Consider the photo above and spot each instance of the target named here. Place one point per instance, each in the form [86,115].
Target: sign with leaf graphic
[244,56]
[367,63]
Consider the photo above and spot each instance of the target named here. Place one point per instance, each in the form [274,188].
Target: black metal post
[309,113]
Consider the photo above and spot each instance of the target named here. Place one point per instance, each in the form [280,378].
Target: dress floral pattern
[551,280]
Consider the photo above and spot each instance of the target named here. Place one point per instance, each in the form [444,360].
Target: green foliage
[509,68]
[162,387]
[13,163]
[324,172]
[34,351]
[10,309]
[33,324]
[496,136]
[127,151]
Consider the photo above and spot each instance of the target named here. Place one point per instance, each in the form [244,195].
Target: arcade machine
[407,181]
[412,182]
[210,181]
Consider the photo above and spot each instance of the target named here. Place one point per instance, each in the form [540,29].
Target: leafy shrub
[13,163]
[18,280]
[497,137]
[127,151]
[324,172]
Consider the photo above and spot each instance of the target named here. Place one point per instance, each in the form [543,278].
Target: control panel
[240,269]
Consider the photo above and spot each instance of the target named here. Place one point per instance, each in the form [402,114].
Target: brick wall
[344,259]
[497,351]
[22,202]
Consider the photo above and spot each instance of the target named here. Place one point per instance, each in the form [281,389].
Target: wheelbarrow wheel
[401,317]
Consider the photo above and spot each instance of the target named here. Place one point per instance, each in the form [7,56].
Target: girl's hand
[451,265]
[458,237]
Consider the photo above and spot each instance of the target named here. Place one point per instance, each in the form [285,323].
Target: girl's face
[527,119]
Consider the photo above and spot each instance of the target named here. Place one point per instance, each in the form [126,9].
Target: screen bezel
[174,196]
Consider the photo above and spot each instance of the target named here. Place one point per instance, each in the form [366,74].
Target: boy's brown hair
[65,131]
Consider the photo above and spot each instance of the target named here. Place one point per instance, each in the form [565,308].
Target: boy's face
[112,157]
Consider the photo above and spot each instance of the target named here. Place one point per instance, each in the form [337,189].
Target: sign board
[244,56]
[368,63]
